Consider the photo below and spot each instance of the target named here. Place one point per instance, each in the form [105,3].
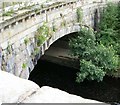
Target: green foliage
[109,34]
[107,37]
[9,49]
[9,13]
[79,15]
[89,71]
[104,57]
[99,53]
[42,6]
[85,40]
[43,30]
[110,27]
[96,60]
[54,26]
[24,66]
[42,33]
[118,31]
[26,41]
[40,39]
[109,17]
[36,51]
[118,16]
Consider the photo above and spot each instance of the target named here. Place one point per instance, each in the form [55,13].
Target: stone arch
[59,34]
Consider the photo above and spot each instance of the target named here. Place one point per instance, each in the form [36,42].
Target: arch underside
[61,33]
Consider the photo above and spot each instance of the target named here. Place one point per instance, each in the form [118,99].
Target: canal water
[61,77]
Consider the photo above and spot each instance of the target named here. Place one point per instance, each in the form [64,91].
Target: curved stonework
[62,32]
[19,58]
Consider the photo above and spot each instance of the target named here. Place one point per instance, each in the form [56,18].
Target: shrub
[110,27]
[104,57]
[85,40]
[89,71]
[109,34]
[109,17]
[96,60]
[109,37]
[98,54]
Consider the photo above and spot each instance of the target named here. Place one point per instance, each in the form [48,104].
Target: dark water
[49,74]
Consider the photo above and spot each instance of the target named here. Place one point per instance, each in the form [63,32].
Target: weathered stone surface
[52,95]
[16,90]
[12,87]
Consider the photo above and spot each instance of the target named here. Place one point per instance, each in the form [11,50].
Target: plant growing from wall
[63,23]
[26,41]
[36,10]
[9,50]
[24,66]
[42,6]
[36,51]
[40,39]
[42,33]
[3,10]
[79,13]
[9,13]
[54,26]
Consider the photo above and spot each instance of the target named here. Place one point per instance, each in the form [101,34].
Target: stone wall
[19,58]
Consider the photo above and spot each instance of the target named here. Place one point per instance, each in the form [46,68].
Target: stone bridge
[19,52]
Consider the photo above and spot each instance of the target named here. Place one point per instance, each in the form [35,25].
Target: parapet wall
[19,58]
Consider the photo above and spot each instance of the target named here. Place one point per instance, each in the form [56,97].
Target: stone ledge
[17,90]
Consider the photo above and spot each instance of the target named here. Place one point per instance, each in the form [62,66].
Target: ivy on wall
[42,33]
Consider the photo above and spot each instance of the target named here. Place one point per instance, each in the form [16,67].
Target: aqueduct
[19,58]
